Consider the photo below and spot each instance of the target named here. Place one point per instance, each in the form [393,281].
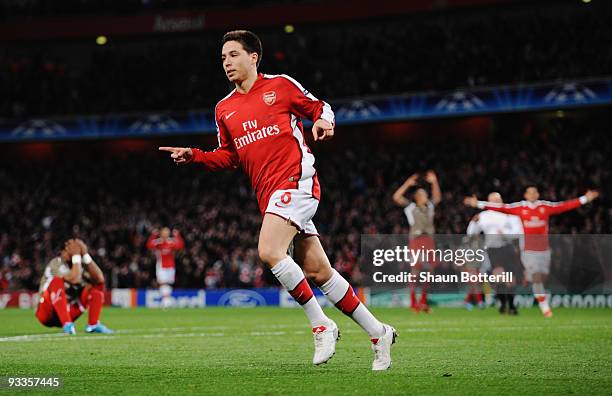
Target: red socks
[96,300]
[349,303]
[302,293]
[413,299]
[423,297]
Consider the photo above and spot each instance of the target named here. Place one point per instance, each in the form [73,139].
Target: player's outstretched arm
[436,193]
[223,157]
[513,209]
[398,196]
[180,155]
[560,207]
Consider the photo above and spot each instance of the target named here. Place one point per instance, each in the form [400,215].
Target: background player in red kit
[165,248]
[260,129]
[72,283]
[534,215]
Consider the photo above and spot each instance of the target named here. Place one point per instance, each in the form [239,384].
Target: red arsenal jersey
[534,216]
[165,248]
[262,132]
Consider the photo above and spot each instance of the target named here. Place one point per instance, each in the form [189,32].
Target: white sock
[166,292]
[540,294]
[290,275]
[340,293]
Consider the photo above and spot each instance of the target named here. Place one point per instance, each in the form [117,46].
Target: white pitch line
[169,329]
[162,332]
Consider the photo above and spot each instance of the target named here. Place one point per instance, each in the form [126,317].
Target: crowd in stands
[114,201]
[419,52]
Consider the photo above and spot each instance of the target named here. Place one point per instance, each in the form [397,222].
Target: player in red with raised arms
[260,129]
[534,215]
[165,247]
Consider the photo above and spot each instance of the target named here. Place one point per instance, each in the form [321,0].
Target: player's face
[532,194]
[165,232]
[421,197]
[237,63]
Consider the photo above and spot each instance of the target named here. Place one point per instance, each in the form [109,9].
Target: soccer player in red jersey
[260,129]
[534,215]
[72,283]
[165,247]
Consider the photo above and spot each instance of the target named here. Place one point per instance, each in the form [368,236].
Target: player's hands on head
[180,155]
[471,201]
[430,177]
[591,195]
[72,247]
[83,246]
[322,130]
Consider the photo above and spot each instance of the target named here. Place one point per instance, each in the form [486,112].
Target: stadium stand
[506,45]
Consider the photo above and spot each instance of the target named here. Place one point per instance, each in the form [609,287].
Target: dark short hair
[249,41]
[527,186]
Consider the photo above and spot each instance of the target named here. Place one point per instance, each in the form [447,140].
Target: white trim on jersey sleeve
[408,212]
[307,165]
[327,114]
[215,116]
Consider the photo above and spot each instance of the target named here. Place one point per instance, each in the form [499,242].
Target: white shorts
[295,206]
[165,275]
[535,262]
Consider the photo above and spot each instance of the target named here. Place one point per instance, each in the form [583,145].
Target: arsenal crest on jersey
[269,98]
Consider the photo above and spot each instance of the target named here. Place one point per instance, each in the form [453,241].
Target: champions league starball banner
[463,102]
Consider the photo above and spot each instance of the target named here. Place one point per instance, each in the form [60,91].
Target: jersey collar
[260,77]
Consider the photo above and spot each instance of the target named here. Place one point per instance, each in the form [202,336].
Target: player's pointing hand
[322,130]
[180,155]
[591,195]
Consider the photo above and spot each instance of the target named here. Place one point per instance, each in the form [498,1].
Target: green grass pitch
[267,351]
